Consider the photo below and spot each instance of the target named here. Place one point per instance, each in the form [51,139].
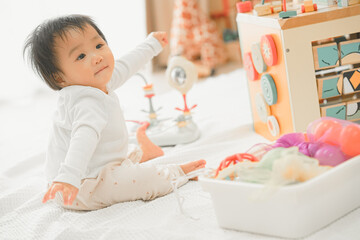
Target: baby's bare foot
[149,149]
[192,166]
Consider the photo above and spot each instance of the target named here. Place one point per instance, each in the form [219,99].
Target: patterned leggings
[123,181]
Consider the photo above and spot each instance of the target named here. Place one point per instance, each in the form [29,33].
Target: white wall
[122,22]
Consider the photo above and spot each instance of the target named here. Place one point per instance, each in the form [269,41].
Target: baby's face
[84,59]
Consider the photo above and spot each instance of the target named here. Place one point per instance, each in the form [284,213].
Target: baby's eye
[81,56]
[99,46]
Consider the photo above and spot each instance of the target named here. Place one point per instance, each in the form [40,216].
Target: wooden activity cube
[313,70]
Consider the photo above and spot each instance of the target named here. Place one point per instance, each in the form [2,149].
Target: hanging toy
[149,94]
[181,75]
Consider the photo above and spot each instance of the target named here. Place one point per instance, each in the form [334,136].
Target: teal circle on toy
[268,89]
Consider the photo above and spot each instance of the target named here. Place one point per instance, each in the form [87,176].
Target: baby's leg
[192,166]
[149,149]
[156,181]
[129,181]
[126,181]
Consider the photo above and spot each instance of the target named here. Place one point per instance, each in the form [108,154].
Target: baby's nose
[97,59]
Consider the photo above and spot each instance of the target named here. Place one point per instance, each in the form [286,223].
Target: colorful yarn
[233,159]
[331,141]
[295,157]
[279,166]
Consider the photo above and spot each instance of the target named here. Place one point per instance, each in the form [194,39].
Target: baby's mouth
[100,70]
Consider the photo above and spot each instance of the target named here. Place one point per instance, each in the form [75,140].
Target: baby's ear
[59,80]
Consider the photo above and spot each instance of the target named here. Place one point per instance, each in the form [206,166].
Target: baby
[89,160]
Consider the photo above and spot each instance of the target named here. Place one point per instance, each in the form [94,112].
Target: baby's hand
[69,192]
[161,37]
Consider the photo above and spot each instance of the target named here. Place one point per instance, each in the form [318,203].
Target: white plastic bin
[292,211]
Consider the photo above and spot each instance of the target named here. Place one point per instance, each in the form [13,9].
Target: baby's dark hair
[39,45]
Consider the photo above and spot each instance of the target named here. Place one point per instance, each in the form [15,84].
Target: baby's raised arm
[133,61]
[161,37]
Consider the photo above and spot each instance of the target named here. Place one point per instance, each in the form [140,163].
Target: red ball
[328,131]
[350,140]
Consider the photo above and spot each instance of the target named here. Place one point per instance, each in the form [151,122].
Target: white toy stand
[181,74]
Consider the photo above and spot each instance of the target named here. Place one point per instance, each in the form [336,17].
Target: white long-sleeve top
[89,129]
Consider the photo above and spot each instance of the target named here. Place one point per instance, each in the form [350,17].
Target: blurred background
[124,23]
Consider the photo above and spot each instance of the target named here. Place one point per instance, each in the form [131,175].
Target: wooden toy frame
[294,74]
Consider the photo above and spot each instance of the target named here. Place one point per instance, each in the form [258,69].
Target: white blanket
[224,117]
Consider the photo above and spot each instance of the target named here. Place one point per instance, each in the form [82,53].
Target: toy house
[301,68]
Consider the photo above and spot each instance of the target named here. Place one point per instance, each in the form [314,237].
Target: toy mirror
[178,76]
[181,74]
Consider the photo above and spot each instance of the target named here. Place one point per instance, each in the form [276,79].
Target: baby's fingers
[46,196]
[51,192]
[66,196]
[72,197]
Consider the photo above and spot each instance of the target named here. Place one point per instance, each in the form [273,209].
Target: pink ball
[329,155]
[309,148]
[350,140]
[328,131]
